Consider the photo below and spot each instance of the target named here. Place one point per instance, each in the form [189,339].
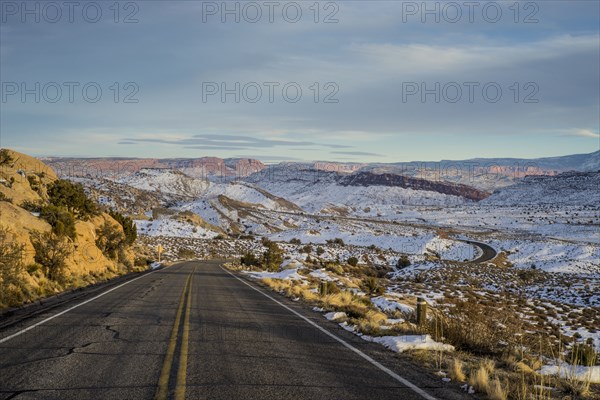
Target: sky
[352,81]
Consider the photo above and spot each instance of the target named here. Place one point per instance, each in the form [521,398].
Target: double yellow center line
[162,392]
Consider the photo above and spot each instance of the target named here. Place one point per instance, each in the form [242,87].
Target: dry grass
[291,289]
[370,324]
[277,285]
[521,367]
[476,327]
[456,371]
[303,292]
[482,325]
[496,391]
[480,379]
[339,300]
[489,365]
[577,387]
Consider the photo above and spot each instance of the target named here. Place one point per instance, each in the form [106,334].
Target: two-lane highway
[196,331]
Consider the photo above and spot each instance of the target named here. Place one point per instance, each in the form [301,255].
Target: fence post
[421,311]
[323,288]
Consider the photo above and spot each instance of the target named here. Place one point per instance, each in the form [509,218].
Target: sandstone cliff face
[118,167]
[371,179]
[24,178]
[29,183]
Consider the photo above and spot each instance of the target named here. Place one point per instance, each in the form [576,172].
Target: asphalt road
[488,253]
[195,331]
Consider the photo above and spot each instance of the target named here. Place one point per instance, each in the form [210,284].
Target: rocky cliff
[372,179]
[24,183]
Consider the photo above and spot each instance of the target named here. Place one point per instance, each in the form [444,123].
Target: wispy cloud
[587,133]
[369,55]
[422,58]
[232,142]
[357,153]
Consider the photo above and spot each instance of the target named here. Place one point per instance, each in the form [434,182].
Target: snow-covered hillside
[549,221]
[567,189]
[166,181]
[320,192]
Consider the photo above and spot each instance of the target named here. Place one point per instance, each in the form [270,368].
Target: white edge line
[14,335]
[388,371]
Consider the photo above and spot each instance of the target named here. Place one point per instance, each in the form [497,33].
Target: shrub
[272,257]
[337,241]
[5,157]
[403,262]
[307,249]
[353,261]
[473,327]
[129,228]
[110,240]
[334,267]
[32,205]
[583,354]
[63,193]
[60,219]
[320,251]
[142,261]
[185,253]
[249,259]
[3,197]
[295,241]
[34,183]
[51,252]
[372,286]
[10,266]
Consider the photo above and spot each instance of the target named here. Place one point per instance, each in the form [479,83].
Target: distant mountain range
[472,179]
[120,166]
[244,195]
[575,162]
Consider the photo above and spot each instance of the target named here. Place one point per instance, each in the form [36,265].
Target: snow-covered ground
[403,343]
[286,274]
[402,239]
[358,200]
[551,255]
[164,180]
[577,372]
[172,228]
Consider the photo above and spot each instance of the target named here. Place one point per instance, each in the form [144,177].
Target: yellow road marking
[163,382]
[183,355]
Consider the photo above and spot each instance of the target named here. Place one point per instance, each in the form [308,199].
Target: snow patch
[400,344]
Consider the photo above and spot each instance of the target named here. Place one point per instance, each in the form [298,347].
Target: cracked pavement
[241,345]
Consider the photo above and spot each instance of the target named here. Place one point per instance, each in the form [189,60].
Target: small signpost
[159,250]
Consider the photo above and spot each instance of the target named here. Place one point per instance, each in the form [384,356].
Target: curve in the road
[488,252]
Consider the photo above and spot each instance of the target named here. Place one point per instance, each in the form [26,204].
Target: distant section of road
[195,331]
[488,252]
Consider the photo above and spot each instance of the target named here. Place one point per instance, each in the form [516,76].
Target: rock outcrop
[453,189]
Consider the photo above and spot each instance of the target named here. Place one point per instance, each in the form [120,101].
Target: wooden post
[421,311]
[159,250]
[323,288]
